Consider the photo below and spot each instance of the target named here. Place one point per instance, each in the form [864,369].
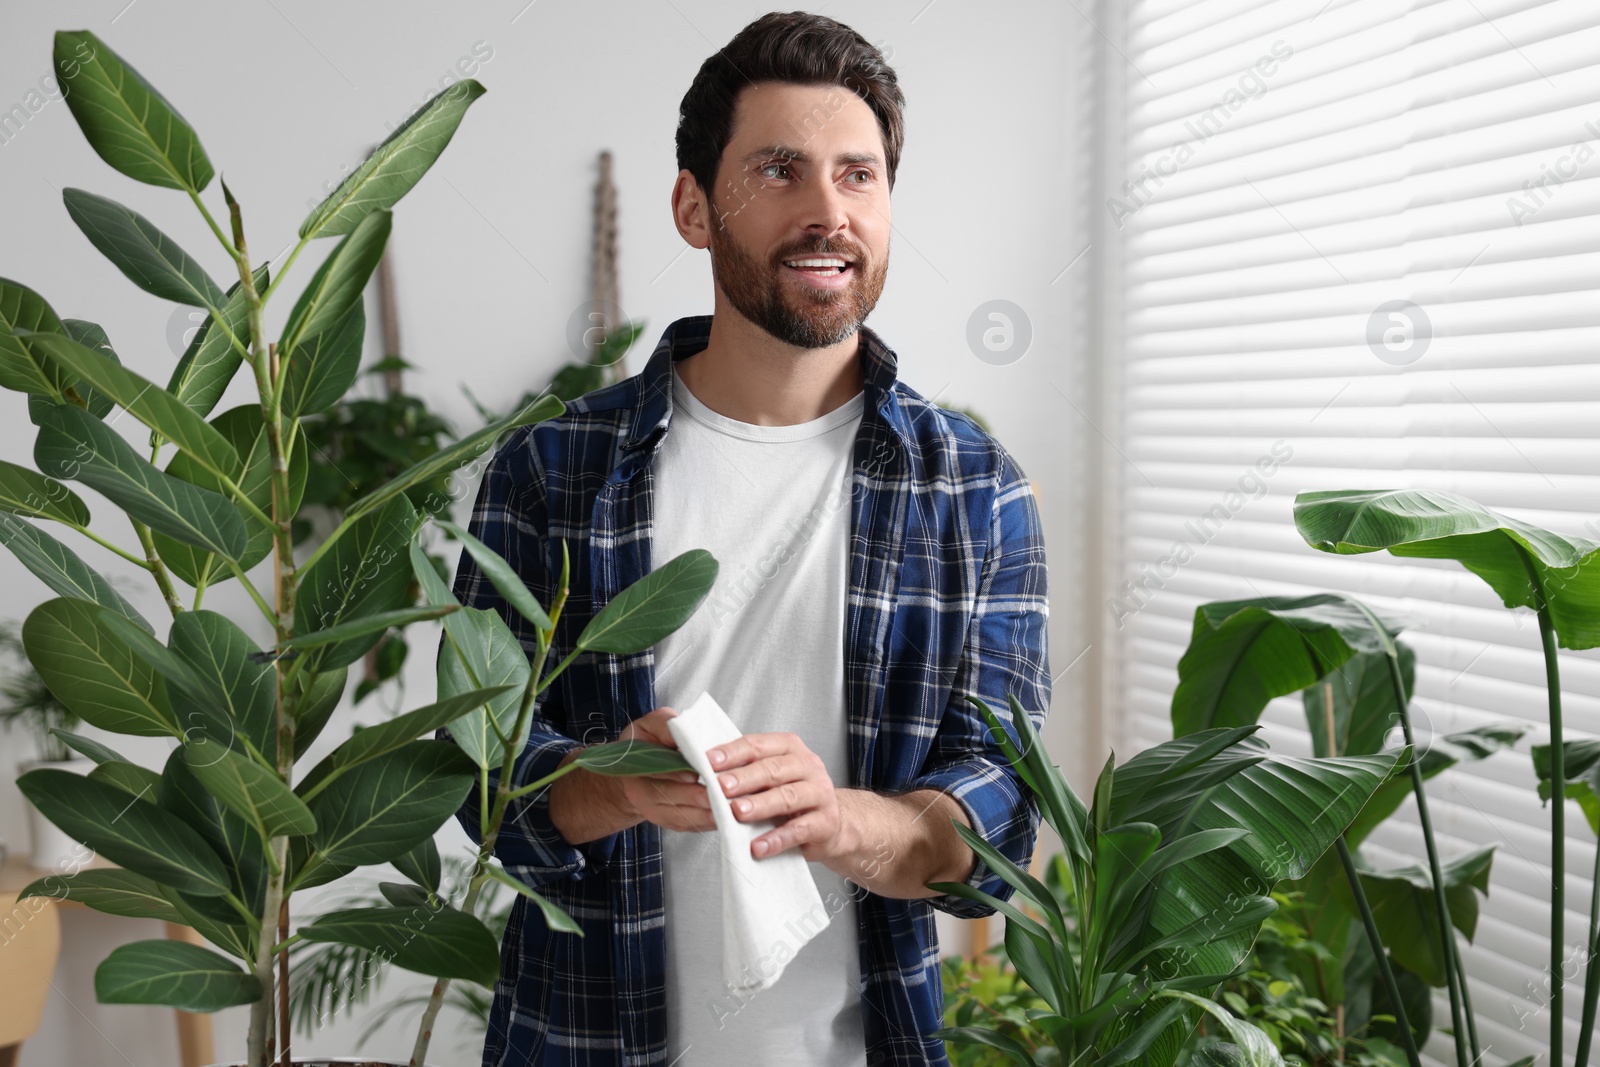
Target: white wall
[492,257]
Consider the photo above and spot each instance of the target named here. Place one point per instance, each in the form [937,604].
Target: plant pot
[52,849]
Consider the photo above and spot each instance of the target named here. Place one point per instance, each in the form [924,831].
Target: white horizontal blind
[1291,167]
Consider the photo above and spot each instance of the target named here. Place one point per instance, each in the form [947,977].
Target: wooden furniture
[29,945]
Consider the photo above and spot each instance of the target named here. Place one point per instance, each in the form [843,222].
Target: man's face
[802,178]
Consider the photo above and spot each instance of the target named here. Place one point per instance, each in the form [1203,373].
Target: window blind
[1356,245]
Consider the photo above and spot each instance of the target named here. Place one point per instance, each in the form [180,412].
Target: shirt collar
[687,336]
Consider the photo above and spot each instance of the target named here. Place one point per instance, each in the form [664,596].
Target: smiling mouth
[820,266]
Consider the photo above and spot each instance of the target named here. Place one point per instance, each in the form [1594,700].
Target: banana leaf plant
[1556,576]
[232,826]
[1172,863]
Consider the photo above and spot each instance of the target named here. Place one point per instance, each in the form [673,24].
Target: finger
[789,798]
[770,772]
[742,750]
[792,834]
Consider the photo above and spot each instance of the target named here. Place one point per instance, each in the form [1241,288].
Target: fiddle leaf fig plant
[233,825]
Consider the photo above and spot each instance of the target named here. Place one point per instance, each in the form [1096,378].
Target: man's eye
[768,166]
[867,174]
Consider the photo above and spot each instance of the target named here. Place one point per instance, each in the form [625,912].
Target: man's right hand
[585,806]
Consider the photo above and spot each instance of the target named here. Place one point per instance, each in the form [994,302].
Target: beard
[788,310]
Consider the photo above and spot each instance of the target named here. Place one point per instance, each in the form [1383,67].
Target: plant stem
[103,543]
[233,252]
[1591,978]
[1375,939]
[157,568]
[261,1008]
[1558,844]
[283,986]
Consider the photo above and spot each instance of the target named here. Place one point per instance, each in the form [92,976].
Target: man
[880,560]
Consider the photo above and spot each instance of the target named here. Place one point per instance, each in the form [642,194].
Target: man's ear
[692,211]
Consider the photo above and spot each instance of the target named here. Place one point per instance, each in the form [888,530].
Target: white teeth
[841,264]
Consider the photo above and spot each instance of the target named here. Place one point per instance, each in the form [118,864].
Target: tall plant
[1558,578]
[223,836]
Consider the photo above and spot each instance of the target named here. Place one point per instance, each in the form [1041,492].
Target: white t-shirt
[772,504]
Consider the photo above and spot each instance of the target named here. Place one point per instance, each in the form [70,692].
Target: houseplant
[223,836]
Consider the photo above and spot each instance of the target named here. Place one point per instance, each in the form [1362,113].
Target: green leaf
[115,892]
[126,121]
[463,451]
[93,671]
[60,568]
[20,369]
[385,807]
[440,943]
[1353,706]
[374,741]
[325,364]
[982,1035]
[134,833]
[366,625]
[1501,550]
[145,401]
[321,694]
[1581,764]
[92,337]
[357,577]
[1242,653]
[395,165]
[1404,905]
[554,917]
[244,701]
[137,247]
[338,282]
[507,582]
[74,445]
[243,428]
[1256,1048]
[630,757]
[243,851]
[421,865]
[174,973]
[481,652]
[88,747]
[653,607]
[211,360]
[27,492]
[132,779]
[249,790]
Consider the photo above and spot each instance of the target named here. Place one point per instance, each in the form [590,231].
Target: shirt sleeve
[1005,653]
[509,517]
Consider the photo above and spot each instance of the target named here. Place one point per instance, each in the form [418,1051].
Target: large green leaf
[463,451]
[1404,905]
[1351,710]
[137,247]
[125,119]
[1497,548]
[337,283]
[60,568]
[132,779]
[1242,653]
[1581,762]
[72,444]
[87,747]
[421,865]
[92,670]
[480,651]
[174,973]
[366,625]
[653,607]
[554,917]
[92,337]
[243,428]
[507,582]
[115,892]
[145,401]
[249,790]
[27,492]
[137,834]
[23,309]
[243,851]
[630,757]
[385,807]
[364,573]
[438,942]
[245,688]
[325,364]
[395,165]
[373,741]
[211,360]
[318,699]
[1255,1047]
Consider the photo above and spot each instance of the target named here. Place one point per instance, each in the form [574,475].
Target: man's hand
[775,776]
[674,800]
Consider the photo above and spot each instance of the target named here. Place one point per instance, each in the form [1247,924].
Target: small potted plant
[232,826]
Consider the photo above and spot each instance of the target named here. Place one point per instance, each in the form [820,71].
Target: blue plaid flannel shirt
[947,597]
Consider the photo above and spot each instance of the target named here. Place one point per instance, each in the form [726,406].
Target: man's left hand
[775,776]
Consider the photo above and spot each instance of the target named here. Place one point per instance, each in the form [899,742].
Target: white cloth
[772,504]
[765,902]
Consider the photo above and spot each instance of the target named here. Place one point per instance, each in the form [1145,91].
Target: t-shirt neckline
[696,409]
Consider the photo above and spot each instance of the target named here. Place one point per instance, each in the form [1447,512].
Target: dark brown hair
[794,46]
